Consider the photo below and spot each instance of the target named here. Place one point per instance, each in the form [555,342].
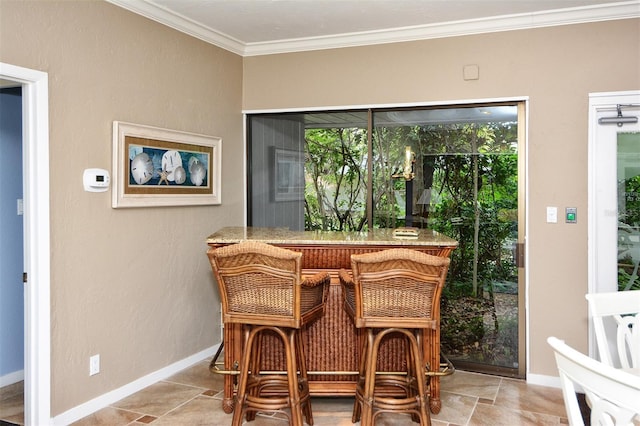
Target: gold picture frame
[161,167]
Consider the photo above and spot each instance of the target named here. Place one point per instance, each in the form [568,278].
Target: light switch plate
[552,215]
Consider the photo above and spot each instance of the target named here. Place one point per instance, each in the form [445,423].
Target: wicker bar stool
[262,288]
[393,293]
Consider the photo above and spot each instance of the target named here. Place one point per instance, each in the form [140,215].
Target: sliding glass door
[463,180]
[465,184]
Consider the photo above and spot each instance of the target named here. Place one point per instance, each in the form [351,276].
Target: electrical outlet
[94,365]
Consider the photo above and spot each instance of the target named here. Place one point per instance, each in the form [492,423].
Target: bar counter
[331,342]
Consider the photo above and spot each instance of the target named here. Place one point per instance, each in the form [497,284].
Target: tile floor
[11,404]
[193,397]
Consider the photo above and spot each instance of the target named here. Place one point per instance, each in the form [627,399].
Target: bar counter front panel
[331,343]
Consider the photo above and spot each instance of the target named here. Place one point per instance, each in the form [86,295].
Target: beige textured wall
[555,67]
[133,285]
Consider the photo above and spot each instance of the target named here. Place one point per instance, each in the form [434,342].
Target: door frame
[598,103]
[35,146]
[524,326]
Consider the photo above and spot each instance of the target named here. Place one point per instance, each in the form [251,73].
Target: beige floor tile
[486,414]
[336,419]
[471,384]
[456,408]
[334,411]
[12,390]
[200,376]
[275,419]
[518,395]
[12,409]
[201,410]
[159,398]
[194,397]
[394,419]
[109,417]
[332,405]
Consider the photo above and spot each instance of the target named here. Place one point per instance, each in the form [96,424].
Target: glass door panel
[464,183]
[614,196]
[613,193]
[628,177]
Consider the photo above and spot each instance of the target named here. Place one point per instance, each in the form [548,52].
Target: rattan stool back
[393,292]
[261,287]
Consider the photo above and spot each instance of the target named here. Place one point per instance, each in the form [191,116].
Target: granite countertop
[235,234]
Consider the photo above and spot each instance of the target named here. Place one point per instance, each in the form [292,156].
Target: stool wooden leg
[292,375]
[304,379]
[431,339]
[254,367]
[238,412]
[370,377]
[412,376]
[419,374]
[362,369]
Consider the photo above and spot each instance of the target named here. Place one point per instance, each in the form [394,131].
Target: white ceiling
[258,27]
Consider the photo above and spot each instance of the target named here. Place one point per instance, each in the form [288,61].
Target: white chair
[614,394]
[619,310]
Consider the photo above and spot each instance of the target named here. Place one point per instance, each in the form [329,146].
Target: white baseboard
[90,407]
[11,378]
[542,380]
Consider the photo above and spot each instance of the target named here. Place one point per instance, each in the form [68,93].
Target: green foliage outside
[628,211]
[471,173]
[336,179]
[628,244]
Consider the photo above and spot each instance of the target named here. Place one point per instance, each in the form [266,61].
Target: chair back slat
[614,395]
[619,311]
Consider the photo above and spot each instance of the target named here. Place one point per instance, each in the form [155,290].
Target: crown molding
[182,24]
[567,16]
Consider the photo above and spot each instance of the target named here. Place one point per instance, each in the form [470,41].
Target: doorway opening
[11,261]
[35,149]
[614,195]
